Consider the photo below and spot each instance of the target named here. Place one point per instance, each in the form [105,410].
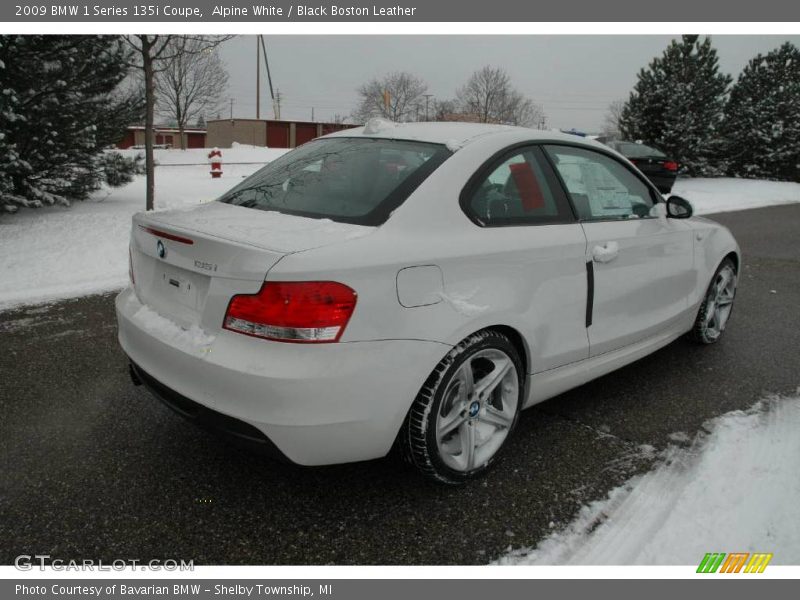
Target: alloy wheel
[477,410]
[719,302]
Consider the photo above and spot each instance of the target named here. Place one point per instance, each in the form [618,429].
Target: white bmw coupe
[415,287]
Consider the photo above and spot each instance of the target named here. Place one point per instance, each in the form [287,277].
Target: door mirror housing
[679,208]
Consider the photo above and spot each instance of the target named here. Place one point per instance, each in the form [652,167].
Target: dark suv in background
[656,166]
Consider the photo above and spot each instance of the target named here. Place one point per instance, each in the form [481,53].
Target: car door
[530,253]
[640,262]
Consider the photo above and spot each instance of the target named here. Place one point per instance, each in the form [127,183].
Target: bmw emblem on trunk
[161,249]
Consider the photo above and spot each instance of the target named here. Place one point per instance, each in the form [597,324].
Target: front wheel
[717,305]
[464,413]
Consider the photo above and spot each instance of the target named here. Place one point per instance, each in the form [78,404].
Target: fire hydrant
[215,158]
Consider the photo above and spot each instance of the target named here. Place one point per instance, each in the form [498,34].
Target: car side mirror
[679,208]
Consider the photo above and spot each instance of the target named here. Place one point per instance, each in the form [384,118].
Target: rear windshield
[352,180]
[631,150]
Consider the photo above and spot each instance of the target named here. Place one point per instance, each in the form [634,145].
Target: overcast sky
[573,77]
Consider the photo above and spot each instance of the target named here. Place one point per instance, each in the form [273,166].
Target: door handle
[605,253]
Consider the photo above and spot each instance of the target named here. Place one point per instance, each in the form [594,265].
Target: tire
[717,306]
[455,430]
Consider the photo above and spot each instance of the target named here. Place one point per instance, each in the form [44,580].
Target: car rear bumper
[317,404]
[236,431]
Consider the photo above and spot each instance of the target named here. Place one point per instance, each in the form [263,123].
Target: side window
[516,191]
[600,187]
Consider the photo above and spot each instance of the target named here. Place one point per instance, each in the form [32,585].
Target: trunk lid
[188,263]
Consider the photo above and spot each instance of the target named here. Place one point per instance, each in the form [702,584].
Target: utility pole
[312,114]
[258,78]
[278,104]
[232,101]
[427,99]
[275,101]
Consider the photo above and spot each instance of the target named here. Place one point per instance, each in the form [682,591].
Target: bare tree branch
[611,121]
[404,93]
[153,54]
[191,85]
[489,97]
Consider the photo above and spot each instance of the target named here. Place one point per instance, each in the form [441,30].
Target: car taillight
[670,165]
[130,266]
[293,311]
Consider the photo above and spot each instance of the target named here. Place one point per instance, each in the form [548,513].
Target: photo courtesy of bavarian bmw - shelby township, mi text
[398,299]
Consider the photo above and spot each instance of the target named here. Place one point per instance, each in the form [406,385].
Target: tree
[403,91]
[444,110]
[489,97]
[191,84]
[153,53]
[678,105]
[762,117]
[62,105]
[611,122]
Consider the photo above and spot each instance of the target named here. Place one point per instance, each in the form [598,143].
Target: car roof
[454,135]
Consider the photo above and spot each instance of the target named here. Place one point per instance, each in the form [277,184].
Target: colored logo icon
[735,562]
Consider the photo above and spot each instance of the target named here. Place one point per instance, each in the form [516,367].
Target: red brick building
[165,136]
[221,133]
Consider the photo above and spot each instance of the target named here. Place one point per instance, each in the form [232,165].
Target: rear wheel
[462,416]
[717,305]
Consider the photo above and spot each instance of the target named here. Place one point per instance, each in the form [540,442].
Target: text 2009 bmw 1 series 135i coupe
[414,287]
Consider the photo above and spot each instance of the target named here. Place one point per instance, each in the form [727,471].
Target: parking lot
[95,468]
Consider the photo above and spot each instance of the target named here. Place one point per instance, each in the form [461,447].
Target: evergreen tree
[677,105]
[762,118]
[60,107]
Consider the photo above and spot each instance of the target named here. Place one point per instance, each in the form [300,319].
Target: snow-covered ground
[58,252]
[239,153]
[734,489]
[726,193]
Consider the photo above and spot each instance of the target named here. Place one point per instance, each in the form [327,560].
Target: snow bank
[238,153]
[727,194]
[735,489]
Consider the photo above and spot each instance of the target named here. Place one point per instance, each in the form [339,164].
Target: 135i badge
[204,265]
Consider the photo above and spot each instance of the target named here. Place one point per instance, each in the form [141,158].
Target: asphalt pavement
[92,467]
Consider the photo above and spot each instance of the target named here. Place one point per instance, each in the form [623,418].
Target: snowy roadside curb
[725,194]
[735,488]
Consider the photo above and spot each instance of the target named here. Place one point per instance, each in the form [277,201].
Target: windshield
[632,150]
[352,180]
